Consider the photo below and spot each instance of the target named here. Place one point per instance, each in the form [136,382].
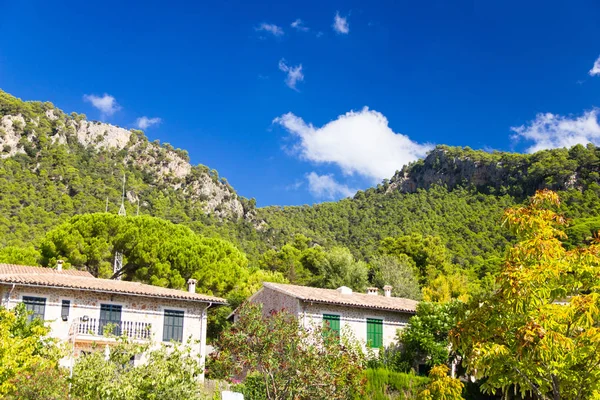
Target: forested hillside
[54,165]
[458,194]
[501,173]
[435,225]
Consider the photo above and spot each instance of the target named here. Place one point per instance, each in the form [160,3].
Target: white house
[373,319]
[81,308]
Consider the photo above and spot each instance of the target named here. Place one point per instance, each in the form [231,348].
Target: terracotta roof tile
[83,280]
[333,296]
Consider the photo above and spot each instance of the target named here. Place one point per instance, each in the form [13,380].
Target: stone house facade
[86,311]
[371,318]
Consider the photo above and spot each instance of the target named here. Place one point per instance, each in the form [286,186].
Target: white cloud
[294,186]
[340,24]
[299,25]
[271,28]
[595,71]
[325,186]
[106,104]
[549,131]
[358,142]
[145,122]
[294,74]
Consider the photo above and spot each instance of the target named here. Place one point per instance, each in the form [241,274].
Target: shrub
[382,384]
[41,381]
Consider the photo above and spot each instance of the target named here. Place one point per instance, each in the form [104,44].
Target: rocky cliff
[29,128]
[501,172]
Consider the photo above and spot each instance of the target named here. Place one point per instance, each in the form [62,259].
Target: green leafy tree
[399,272]
[427,252]
[154,251]
[168,373]
[19,255]
[341,269]
[441,280]
[426,338]
[538,335]
[293,362]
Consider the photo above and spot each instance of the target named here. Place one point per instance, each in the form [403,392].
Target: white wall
[134,308]
[355,319]
[352,318]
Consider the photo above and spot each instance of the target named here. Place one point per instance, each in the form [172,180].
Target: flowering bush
[285,361]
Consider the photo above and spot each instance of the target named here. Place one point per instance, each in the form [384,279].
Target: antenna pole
[122,209]
[123,197]
[118,265]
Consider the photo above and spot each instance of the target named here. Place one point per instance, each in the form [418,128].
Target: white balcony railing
[99,327]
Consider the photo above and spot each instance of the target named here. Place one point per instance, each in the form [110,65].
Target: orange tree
[292,363]
[539,333]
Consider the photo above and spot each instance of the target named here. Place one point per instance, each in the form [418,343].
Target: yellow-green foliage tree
[24,353]
[441,386]
[539,333]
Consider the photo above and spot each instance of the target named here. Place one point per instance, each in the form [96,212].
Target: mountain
[501,172]
[54,165]
[457,194]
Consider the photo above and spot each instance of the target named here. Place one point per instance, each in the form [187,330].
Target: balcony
[99,327]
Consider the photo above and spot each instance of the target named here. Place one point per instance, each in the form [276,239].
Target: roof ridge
[274,285]
[37,276]
[333,296]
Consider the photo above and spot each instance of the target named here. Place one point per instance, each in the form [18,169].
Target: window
[110,316]
[64,312]
[331,325]
[37,305]
[173,326]
[374,332]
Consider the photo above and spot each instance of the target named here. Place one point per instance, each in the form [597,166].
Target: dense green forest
[436,224]
[49,171]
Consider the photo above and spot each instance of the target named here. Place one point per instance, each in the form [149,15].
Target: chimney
[192,285]
[373,291]
[387,290]
[344,290]
[59,265]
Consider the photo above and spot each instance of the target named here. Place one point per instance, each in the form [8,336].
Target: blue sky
[379,82]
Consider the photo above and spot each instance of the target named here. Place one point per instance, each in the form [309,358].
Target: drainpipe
[7,301]
[203,324]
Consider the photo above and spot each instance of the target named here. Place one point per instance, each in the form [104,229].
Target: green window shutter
[331,324]
[374,332]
